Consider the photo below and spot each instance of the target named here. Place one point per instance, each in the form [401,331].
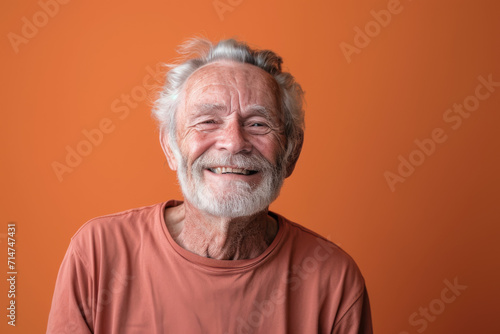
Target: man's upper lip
[234,167]
[234,170]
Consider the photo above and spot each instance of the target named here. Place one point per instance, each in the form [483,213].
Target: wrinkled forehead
[222,81]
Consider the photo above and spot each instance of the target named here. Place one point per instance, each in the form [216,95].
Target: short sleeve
[71,311]
[357,319]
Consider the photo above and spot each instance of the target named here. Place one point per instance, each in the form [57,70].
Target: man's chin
[231,204]
[229,196]
[223,183]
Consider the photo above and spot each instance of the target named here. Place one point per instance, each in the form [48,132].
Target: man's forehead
[214,76]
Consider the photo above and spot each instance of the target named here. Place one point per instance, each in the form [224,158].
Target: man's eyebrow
[268,112]
[204,108]
[260,109]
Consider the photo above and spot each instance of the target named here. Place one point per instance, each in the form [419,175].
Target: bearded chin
[244,199]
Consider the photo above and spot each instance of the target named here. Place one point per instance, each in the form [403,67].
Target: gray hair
[198,52]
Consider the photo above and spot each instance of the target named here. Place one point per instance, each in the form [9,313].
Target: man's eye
[208,125]
[258,128]
[257,124]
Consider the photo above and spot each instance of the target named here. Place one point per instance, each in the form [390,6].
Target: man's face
[230,137]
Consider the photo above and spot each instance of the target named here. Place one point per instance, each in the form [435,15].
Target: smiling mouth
[228,170]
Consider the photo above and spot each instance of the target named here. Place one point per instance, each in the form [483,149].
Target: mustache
[250,162]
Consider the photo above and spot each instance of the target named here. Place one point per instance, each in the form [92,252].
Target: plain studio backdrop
[399,167]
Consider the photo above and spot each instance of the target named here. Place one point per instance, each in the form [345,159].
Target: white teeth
[224,170]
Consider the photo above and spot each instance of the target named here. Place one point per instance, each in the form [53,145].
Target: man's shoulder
[119,220]
[318,251]
[303,235]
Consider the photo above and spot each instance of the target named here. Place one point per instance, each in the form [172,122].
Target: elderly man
[231,126]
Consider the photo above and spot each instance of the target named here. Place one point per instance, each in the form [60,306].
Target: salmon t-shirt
[123,273]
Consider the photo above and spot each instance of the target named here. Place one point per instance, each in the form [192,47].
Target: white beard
[244,199]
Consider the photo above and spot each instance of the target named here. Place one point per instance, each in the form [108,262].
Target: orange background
[441,223]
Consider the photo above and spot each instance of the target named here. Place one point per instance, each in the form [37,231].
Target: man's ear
[165,145]
[294,156]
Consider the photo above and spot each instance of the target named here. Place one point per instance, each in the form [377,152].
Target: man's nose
[234,139]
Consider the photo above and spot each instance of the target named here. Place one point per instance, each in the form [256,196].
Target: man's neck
[220,238]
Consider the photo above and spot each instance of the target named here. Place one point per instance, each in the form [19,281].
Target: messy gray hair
[198,52]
